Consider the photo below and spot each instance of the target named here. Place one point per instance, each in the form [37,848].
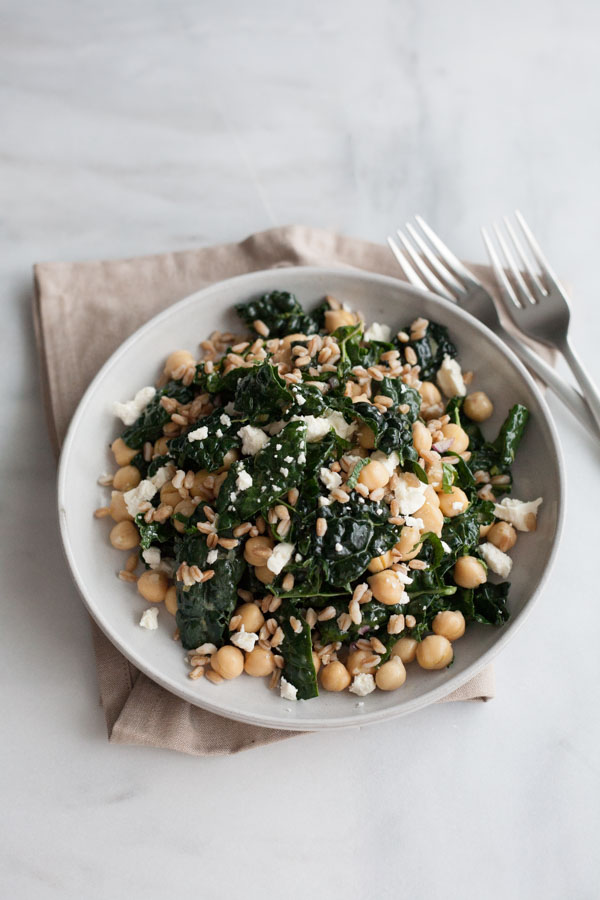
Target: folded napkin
[111,299]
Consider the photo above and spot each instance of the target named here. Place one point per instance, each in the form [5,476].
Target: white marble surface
[130,127]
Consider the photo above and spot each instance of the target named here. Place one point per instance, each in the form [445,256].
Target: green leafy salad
[315,501]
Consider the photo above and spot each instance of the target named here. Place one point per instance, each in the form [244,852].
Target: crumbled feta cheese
[499,562]
[212,556]
[243,481]
[280,557]
[151,556]
[340,426]
[149,619]
[245,640]
[339,547]
[414,523]
[450,379]
[162,475]
[403,577]
[318,426]
[285,472]
[286,690]
[362,685]
[298,557]
[377,332]
[300,400]
[410,497]
[288,459]
[458,505]
[278,446]
[324,501]
[199,434]
[390,462]
[446,547]
[219,433]
[521,514]
[138,495]
[206,649]
[131,410]
[301,458]
[225,420]
[330,479]
[253,440]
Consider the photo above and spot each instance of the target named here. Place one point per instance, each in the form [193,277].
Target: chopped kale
[431,350]
[207,453]
[280,312]
[149,425]
[299,668]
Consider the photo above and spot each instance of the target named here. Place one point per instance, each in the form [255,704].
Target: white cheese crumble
[390,462]
[212,556]
[324,501]
[225,420]
[149,619]
[300,400]
[219,433]
[287,691]
[338,547]
[318,426]
[458,505]
[410,497]
[138,495]
[129,411]
[446,547]
[285,472]
[301,458]
[200,434]
[243,481]
[499,562]
[280,557]
[330,479]
[253,440]
[362,685]
[377,332]
[151,556]
[414,523]
[450,379]
[245,640]
[162,475]
[521,514]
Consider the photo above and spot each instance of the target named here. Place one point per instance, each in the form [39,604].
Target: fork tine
[404,264]
[434,261]
[447,255]
[537,285]
[505,285]
[537,252]
[434,283]
[526,294]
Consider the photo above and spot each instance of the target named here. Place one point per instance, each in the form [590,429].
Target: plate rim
[307,725]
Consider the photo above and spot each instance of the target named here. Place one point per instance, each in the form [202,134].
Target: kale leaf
[149,425]
[281,313]
[299,668]
[487,604]
[209,452]
[262,394]
[431,349]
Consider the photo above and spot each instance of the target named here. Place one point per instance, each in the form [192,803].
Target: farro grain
[196,673]
[326,614]
[410,621]
[321,527]
[101,512]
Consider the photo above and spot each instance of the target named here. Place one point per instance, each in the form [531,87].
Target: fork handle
[569,396]
[589,389]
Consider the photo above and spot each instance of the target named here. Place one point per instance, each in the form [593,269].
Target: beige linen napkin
[110,300]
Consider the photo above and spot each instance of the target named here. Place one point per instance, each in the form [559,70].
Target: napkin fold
[110,299]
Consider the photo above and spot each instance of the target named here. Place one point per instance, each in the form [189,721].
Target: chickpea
[503,536]
[435,652]
[117,508]
[469,572]
[171,599]
[406,649]
[259,662]
[374,475]
[365,437]
[458,436]
[484,530]
[386,587]
[124,536]
[228,662]
[316,661]
[229,459]
[335,318]
[169,495]
[183,508]
[252,617]
[432,496]
[422,439]
[177,359]
[356,660]
[153,586]
[126,478]
[123,453]
[199,479]
[454,503]
[255,550]
[391,675]
[335,676]
[409,544]
[450,624]
[435,474]
[160,447]
[430,393]
[264,574]
[379,563]
[478,406]
[432,518]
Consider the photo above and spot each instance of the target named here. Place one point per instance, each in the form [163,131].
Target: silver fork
[445,275]
[538,306]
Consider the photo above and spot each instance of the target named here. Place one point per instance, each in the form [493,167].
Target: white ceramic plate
[117,607]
